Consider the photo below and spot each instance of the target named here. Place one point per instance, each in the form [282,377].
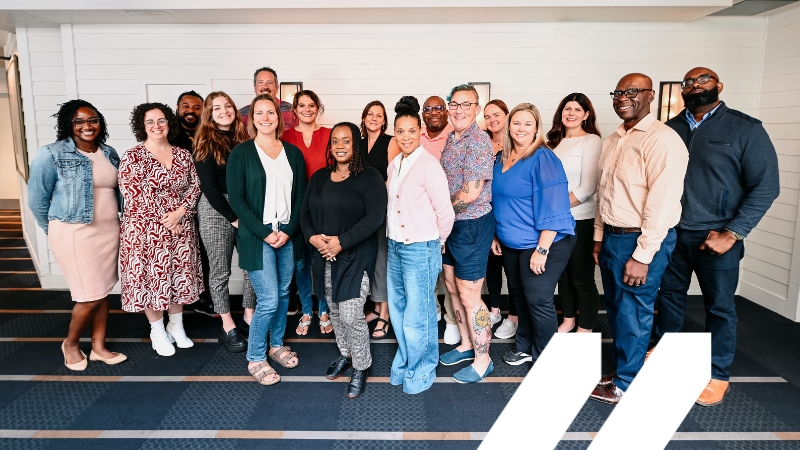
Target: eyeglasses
[151,123]
[430,109]
[702,79]
[465,106]
[90,121]
[630,93]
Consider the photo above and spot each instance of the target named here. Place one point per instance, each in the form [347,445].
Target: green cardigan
[247,182]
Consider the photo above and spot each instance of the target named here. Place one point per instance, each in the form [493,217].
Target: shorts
[468,246]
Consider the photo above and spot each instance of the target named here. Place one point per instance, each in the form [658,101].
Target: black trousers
[533,294]
[577,287]
[494,284]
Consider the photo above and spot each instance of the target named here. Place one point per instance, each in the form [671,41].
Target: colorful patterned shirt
[469,158]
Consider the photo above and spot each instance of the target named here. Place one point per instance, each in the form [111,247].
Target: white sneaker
[438,316]
[506,330]
[494,319]
[176,333]
[160,338]
[451,334]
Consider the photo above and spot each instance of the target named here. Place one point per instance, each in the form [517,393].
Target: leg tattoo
[483,332]
[458,317]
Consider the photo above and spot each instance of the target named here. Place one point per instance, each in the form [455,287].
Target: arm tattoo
[477,184]
[465,188]
[460,206]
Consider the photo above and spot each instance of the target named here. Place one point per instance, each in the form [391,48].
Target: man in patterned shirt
[467,161]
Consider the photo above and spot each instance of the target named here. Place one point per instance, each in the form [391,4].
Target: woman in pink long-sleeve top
[419,219]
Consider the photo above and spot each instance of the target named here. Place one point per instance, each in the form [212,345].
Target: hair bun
[407,105]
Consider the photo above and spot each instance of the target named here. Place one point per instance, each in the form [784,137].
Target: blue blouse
[531,197]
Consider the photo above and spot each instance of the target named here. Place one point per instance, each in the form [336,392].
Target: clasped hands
[277,239]
[172,220]
[328,246]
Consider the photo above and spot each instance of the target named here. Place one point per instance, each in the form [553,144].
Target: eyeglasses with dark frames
[465,105]
[90,121]
[151,123]
[702,79]
[430,109]
[630,93]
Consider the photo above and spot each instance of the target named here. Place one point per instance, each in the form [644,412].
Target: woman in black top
[376,143]
[221,128]
[344,205]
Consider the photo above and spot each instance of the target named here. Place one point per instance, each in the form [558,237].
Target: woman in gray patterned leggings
[344,206]
[221,129]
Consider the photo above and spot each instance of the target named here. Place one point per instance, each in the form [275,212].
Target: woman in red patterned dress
[160,266]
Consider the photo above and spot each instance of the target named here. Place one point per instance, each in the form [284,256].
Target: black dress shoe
[357,384]
[337,367]
[232,340]
[205,306]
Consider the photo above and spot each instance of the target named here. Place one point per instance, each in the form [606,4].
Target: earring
[583,124]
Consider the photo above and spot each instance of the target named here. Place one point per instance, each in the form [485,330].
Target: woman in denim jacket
[74,197]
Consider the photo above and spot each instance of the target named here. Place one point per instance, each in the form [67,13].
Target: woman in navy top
[535,230]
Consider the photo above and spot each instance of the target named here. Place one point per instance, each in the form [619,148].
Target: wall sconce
[289,89]
[484,89]
[671,101]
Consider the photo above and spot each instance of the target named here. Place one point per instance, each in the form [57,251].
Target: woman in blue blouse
[535,230]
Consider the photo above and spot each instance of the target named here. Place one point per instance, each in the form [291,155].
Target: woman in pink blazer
[419,219]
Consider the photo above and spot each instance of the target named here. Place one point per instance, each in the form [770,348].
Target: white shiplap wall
[771,273]
[350,65]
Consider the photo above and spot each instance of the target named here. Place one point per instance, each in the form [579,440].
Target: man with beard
[265,81]
[642,167]
[190,105]
[731,181]
[432,139]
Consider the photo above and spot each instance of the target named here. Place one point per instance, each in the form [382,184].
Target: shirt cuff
[643,256]
[598,235]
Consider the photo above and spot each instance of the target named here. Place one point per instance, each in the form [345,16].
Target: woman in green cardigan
[266,184]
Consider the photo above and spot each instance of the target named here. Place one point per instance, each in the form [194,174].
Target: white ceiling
[52,13]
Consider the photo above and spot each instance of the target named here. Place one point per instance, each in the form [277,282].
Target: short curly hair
[66,112]
[137,120]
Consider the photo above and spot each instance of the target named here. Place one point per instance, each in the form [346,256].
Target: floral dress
[158,269]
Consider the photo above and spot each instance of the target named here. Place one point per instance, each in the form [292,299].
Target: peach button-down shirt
[435,146]
[641,183]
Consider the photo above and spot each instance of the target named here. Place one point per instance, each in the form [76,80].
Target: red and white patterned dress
[158,269]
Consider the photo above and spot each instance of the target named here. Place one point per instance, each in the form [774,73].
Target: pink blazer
[425,195]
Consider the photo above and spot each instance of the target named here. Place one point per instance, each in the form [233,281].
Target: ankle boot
[160,338]
[176,333]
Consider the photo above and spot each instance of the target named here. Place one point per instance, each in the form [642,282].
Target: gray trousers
[219,240]
[378,290]
[349,325]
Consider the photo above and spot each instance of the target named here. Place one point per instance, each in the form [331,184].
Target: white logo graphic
[558,385]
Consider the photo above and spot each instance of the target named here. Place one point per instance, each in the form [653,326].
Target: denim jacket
[60,185]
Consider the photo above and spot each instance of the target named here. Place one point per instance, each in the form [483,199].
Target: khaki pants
[449,315]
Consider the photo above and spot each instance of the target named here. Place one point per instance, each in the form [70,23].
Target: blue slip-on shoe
[468,374]
[454,357]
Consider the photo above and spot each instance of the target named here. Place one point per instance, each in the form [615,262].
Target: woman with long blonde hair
[535,230]
[221,128]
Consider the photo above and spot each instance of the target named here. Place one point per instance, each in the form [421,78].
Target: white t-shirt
[580,157]
[278,192]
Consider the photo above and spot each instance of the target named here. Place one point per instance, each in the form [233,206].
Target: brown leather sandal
[261,372]
[286,355]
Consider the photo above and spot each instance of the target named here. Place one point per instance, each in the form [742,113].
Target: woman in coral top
[312,140]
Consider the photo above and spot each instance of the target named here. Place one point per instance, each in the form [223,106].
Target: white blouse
[580,157]
[278,192]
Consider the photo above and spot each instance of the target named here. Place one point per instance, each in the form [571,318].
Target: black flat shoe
[232,340]
[337,367]
[357,384]
[244,329]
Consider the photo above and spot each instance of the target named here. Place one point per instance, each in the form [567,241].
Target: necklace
[85,150]
[343,175]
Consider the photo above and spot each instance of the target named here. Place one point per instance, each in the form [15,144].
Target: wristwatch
[542,250]
[738,236]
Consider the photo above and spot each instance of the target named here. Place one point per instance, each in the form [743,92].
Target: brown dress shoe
[714,393]
[606,394]
[607,379]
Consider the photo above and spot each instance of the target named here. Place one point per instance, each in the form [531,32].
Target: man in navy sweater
[731,181]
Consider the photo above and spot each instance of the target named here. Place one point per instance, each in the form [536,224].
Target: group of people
[351,213]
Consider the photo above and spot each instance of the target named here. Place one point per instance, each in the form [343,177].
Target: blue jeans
[718,276]
[412,271]
[271,285]
[302,276]
[630,308]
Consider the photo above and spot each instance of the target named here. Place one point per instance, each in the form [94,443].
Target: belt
[619,230]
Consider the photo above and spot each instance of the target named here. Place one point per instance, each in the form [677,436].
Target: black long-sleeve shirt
[213,184]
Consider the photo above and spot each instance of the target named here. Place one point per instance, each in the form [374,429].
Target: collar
[693,123]
[643,125]
[411,158]
[470,131]
[443,135]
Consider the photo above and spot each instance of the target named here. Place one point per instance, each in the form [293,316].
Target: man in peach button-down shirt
[642,167]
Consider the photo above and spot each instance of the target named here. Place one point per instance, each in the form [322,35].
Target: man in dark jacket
[731,181]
